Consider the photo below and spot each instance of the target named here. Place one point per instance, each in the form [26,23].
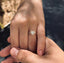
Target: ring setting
[32,32]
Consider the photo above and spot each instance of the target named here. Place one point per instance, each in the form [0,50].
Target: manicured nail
[14,52]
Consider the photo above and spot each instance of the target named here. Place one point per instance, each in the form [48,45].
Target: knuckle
[41,28]
[23,20]
[41,31]
[19,22]
[34,18]
[20,19]
[19,55]
[17,17]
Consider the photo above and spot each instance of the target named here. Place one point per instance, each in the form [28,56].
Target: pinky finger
[41,40]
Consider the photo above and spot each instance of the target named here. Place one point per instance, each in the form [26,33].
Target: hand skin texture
[30,17]
[53,54]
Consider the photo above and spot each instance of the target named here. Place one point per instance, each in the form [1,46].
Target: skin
[53,54]
[26,56]
[30,17]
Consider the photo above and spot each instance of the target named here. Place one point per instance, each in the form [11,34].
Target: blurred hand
[27,29]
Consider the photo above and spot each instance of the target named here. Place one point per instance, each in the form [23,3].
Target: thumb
[23,55]
[52,46]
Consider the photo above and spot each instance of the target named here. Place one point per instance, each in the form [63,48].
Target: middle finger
[23,33]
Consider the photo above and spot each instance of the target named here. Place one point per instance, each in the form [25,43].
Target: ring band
[32,32]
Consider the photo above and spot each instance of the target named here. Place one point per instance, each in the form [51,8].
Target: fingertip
[40,52]
[8,39]
[14,52]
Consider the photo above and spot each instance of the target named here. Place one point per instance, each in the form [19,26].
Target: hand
[53,54]
[29,18]
[6,52]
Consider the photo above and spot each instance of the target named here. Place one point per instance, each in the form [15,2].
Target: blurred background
[54,17]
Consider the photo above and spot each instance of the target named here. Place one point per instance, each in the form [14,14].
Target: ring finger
[32,35]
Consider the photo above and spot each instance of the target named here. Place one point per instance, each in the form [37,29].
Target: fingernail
[40,52]
[14,52]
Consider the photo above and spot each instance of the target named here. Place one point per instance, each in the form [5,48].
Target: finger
[51,46]
[9,60]
[32,34]
[9,40]
[50,42]
[14,32]
[41,39]
[23,33]
[23,55]
[5,52]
